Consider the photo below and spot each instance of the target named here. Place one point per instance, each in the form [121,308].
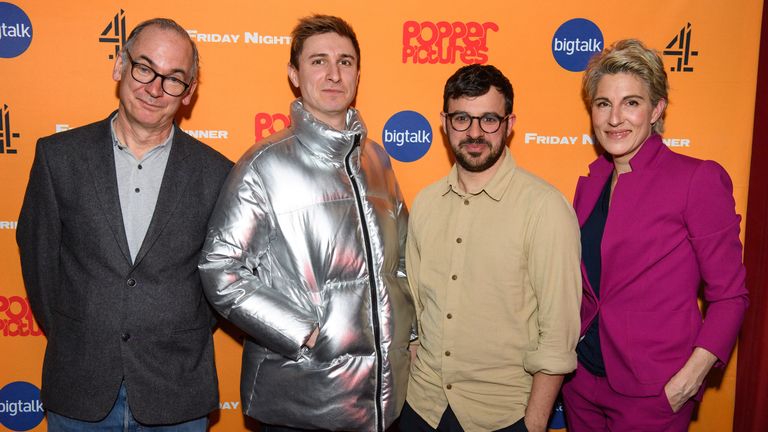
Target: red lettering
[19,319]
[430,42]
[265,124]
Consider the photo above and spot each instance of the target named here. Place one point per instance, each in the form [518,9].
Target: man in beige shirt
[493,263]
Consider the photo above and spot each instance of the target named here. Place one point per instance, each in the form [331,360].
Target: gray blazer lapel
[102,164]
[177,173]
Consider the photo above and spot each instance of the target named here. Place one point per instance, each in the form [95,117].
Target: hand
[310,343]
[413,348]
[531,427]
[678,390]
[687,381]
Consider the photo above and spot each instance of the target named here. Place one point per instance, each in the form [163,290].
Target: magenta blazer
[671,230]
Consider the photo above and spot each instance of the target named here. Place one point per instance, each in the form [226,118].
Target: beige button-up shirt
[497,282]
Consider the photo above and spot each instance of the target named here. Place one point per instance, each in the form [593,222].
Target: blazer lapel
[102,165]
[179,169]
[588,188]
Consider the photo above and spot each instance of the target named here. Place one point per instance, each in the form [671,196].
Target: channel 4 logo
[15,30]
[575,42]
[446,42]
[16,318]
[114,34]
[7,135]
[20,406]
[407,136]
[680,47]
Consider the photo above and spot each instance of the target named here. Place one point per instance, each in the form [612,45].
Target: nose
[475,131]
[155,87]
[615,117]
[334,73]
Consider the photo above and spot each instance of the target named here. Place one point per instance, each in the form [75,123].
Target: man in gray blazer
[109,235]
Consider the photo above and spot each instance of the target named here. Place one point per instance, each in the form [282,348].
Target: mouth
[618,134]
[474,147]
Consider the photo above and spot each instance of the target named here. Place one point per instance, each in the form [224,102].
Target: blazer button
[125,337]
[131,282]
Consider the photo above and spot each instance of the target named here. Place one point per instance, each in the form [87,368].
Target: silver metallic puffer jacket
[310,230]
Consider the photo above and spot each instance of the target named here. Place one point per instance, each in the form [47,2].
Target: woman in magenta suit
[657,229]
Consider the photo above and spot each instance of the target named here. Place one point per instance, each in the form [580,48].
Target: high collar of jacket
[323,140]
[649,152]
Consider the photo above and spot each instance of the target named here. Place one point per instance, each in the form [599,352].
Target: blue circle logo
[20,406]
[15,30]
[557,421]
[407,136]
[575,42]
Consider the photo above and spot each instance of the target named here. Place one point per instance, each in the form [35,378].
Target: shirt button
[466,202]
[458,240]
[448,386]
[137,190]
[447,353]
[449,316]
[140,167]
[131,282]
[454,277]
[125,337]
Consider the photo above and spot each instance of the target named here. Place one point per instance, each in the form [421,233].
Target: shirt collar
[116,142]
[495,187]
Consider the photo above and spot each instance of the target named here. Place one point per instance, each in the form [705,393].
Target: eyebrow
[154,65]
[599,98]
[326,55]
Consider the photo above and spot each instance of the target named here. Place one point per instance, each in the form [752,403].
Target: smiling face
[327,77]
[622,115]
[475,149]
[147,106]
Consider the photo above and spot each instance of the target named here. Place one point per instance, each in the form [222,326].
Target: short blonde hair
[628,56]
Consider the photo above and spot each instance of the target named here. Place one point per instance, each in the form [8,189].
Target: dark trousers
[411,421]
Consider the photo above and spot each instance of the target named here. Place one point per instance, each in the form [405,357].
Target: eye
[143,69]
[601,104]
[175,81]
[345,62]
[461,117]
[633,102]
[489,119]
[318,61]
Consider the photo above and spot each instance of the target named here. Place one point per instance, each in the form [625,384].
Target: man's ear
[293,75]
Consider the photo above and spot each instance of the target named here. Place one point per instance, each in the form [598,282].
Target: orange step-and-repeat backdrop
[56,61]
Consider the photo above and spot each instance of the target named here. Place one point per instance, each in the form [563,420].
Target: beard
[469,160]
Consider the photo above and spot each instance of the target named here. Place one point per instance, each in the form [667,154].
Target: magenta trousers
[591,405]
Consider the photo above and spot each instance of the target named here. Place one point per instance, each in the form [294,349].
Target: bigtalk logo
[20,406]
[15,30]
[407,136]
[575,42]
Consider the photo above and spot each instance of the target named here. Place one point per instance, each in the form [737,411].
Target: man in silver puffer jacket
[305,254]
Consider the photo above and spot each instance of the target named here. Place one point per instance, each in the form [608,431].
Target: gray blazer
[106,319]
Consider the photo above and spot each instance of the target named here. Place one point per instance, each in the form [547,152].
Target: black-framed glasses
[145,75]
[461,121]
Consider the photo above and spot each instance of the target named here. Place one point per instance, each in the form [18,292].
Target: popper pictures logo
[15,30]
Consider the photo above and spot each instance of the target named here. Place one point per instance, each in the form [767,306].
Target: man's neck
[139,140]
[474,182]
